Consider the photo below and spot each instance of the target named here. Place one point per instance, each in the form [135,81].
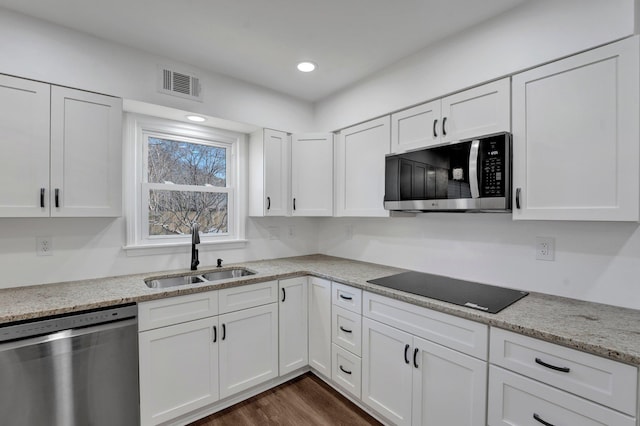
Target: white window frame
[137,129]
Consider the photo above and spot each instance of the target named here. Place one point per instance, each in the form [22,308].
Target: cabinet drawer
[346,371]
[174,310]
[515,400]
[247,296]
[599,379]
[347,297]
[465,336]
[346,330]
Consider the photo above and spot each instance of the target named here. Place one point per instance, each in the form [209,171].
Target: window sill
[172,248]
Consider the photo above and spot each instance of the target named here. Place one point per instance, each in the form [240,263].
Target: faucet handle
[219,263]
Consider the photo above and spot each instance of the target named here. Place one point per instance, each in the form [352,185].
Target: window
[183,174]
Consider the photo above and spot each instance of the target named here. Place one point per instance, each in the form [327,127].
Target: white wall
[38,50]
[536,32]
[92,248]
[594,261]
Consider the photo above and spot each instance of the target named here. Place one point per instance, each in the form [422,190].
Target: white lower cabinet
[248,348]
[178,369]
[410,380]
[320,325]
[293,330]
[517,400]
[386,371]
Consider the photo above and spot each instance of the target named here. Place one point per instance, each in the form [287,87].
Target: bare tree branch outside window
[172,212]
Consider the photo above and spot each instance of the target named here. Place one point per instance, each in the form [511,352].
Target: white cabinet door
[477,112]
[248,348]
[24,135]
[178,369]
[312,174]
[449,388]
[86,154]
[269,173]
[293,331]
[387,371]
[575,137]
[360,168]
[320,325]
[416,127]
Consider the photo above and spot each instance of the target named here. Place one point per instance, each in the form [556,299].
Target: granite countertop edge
[604,330]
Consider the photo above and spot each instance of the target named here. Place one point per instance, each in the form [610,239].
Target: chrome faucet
[195,239]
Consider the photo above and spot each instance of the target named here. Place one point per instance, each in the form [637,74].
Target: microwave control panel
[492,168]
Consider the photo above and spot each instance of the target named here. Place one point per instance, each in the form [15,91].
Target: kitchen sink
[173,281]
[229,273]
[197,279]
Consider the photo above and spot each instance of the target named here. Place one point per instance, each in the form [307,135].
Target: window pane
[173,212]
[185,163]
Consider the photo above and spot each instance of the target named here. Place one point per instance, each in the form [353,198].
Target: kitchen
[594,261]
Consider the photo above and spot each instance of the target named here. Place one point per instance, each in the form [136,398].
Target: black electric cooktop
[484,297]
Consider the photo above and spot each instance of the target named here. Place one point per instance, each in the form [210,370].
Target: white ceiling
[260,41]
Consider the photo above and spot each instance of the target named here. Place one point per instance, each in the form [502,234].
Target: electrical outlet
[545,248]
[44,246]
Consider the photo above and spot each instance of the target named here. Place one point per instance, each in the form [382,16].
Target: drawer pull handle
[406,356]
[539,419]
[415,357]
[553,367]
[345,330]
[215,333]
[342,296]
[345,371]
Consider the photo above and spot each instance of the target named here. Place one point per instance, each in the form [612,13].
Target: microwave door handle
[473,169]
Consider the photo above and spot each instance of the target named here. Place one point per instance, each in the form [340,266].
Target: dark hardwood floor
[305,400]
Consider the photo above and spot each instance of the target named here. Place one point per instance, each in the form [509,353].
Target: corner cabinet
[475,112]
[64,151]
[293,331]
[312,174]
[269,173]
[360,168]
[575,137]
[320,326]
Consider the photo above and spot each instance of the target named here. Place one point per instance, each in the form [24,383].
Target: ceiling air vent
[179,84]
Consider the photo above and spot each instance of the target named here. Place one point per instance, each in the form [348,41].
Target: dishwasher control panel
[49,325]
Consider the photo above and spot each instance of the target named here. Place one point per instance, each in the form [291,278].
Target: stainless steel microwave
[470,175]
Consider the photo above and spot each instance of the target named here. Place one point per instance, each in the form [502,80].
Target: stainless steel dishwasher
[71,370]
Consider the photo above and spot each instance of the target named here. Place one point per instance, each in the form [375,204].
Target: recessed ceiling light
[306,66]
[196,118]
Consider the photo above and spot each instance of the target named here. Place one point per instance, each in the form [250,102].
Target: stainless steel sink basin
[173,281]
[196,279]
[229,273]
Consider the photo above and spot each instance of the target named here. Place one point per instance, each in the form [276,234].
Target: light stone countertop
[604,330]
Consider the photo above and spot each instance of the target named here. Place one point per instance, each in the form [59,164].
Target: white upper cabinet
[312,174]
[475,112]
[360,168]
[64,151]
[576,137]
[416,127]
[269,173]
[24,134]
[86,154]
